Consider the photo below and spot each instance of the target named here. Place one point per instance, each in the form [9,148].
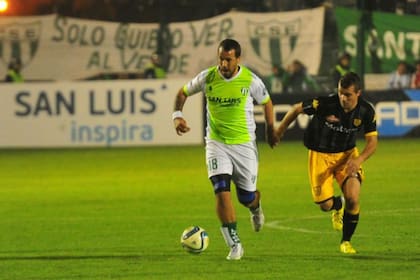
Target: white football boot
[257,219]
[236,252]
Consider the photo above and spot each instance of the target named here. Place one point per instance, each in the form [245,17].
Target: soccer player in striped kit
[331,140]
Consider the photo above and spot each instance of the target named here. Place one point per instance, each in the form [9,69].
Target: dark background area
[167,11]
[186,10]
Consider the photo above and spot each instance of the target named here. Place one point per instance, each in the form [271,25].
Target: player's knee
[352,205]
[221,183]
[355,176]
[245,197]
[325,205]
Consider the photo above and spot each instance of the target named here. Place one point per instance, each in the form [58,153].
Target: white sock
[230,235]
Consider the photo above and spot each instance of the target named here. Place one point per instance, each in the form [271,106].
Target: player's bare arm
[272,138]
[353,164]
[180,124]
[290,116]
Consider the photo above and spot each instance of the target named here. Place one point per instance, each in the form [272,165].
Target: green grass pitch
[119,214]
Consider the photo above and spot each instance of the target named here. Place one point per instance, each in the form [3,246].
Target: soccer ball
[194,239]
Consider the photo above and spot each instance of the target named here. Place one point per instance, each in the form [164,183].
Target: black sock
[349,225]
[337,203]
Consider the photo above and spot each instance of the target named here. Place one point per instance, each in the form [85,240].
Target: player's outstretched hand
[272,137]
[181,126]
[280,132]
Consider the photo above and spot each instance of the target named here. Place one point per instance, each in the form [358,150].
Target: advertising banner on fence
[127,113]
[95,114]
[389,39]
[397,113]
[58,48]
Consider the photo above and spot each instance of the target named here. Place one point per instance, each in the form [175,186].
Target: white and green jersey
[230,109]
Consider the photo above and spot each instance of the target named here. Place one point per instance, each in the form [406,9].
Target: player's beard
[226,73]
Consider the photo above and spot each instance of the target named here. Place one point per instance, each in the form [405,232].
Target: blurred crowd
[405,76]
[291,78]
[295,78]
[180,10]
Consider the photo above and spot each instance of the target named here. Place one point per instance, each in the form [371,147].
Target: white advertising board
[95,113]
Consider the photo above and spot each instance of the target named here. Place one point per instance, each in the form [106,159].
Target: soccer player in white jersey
[231,152]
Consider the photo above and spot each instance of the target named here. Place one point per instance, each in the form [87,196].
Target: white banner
[56,48]
[98,113]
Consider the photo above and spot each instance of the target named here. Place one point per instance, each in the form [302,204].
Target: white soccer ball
[195,239]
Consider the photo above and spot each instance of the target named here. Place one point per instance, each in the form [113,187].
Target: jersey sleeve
[258,90]
[197,84]
[310,106]
[370,121]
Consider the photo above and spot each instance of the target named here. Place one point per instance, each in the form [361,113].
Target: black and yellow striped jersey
[332,130]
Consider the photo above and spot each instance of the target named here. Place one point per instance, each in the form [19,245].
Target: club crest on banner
[274,41]
[19,41]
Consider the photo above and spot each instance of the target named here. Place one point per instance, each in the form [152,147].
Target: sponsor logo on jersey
[340,128]
[332,119]
[224,101]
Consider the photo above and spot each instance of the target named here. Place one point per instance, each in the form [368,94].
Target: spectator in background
[415,80]
[341,68]
[13,74]
[400,78]
[297,80]
[154,69]
[274,81]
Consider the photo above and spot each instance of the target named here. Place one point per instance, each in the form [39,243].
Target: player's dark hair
[349,79]
[230,44]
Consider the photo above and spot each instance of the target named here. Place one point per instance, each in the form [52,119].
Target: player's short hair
[230,44]
[349,79]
